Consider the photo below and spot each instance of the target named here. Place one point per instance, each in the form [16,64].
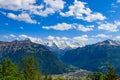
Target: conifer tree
[8,70]
[29,69]
[111,74]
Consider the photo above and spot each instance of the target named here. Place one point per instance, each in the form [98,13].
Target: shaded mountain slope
[49,62]
[95,57]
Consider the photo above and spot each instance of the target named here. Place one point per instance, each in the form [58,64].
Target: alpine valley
[94,57]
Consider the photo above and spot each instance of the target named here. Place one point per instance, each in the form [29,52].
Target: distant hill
[95,57]
[49,62]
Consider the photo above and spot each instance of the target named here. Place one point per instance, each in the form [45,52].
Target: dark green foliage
[29,69]
[8,70]
[96,76]
[111,74]
[60,78]
[48,77]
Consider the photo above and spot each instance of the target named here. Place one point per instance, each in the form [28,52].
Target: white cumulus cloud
[31,7]
[49,7]
[102,36]
[81,38]
[17,4]
[66,26]
[22,17]
[117,38]
[12,35]
[62,26]
[80,11]
[85,29]
[112,27]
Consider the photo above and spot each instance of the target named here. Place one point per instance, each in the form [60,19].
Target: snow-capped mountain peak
[57,44]
[109,42]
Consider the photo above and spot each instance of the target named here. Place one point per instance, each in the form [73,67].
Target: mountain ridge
[15,50]
[109,42]
[94,57]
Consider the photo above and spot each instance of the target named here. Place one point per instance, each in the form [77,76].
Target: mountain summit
[109,42]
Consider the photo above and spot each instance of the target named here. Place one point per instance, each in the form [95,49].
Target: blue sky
[68,20]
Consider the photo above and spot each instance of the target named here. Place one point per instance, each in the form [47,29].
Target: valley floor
[77,75]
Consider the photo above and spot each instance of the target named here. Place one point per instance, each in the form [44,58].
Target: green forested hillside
[16,50]
[94,57]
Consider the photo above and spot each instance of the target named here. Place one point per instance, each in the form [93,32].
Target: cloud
[95,16]
[61,42]
[54,5]
[65,26]
[62,26]
[22,17]
[81,38]
[85,29]
[102,36]
[49,7]
[117,38]
[31,6]
[50,38]
[109,26]
[16,5]
[10,36]
[118,1]
[80,11]
[117,23]
[33,39]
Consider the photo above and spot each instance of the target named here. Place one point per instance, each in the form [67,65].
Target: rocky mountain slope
[49,62]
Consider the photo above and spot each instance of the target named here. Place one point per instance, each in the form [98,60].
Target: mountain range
[95,57]
[56,45]
[15,50]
